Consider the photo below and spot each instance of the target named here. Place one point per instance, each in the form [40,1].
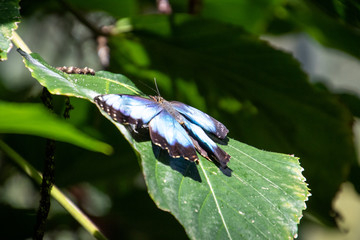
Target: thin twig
[48,177]
[96,30]
[69,206]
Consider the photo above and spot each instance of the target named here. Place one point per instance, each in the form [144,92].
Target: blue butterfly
[174,126]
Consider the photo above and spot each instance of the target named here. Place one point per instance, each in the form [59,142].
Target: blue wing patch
[205,145]
[128,109]
[201,119]
[167,133]
[174,126]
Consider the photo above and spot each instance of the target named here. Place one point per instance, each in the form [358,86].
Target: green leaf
[251,15]
[352,101]
[264,196]
[344,11]
[262,199]
[260,93]
[34,119]
[254,16]
[75,85]
[9,17]
[334,24]
[325,29]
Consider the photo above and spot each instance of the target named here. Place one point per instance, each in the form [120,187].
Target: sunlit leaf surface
[9,16]
[34,119]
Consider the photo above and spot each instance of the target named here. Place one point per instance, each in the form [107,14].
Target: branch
[96,30]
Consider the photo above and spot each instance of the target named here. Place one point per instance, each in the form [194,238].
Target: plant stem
[19,43]
[55,192]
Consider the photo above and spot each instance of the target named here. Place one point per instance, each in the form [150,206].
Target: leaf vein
[262,176]
[215,199]
[251,204]
[264,197]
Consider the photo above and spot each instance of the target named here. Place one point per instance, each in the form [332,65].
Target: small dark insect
[174,126]
[76,70]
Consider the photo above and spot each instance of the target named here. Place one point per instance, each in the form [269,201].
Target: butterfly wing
[205,146]
[167,133]
[201,119]
[128,109]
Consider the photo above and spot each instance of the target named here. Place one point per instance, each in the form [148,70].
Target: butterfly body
[174,126]
[169,108]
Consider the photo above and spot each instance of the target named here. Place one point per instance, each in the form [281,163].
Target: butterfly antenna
[157,89]
[146,85]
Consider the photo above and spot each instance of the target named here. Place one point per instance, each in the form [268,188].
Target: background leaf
[200,194]
[9,17]
[329,30]
[36,120]
[248,19]
[346,11]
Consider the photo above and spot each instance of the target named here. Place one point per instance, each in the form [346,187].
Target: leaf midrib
[215,199]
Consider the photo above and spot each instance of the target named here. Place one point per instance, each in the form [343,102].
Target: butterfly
[174,126]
